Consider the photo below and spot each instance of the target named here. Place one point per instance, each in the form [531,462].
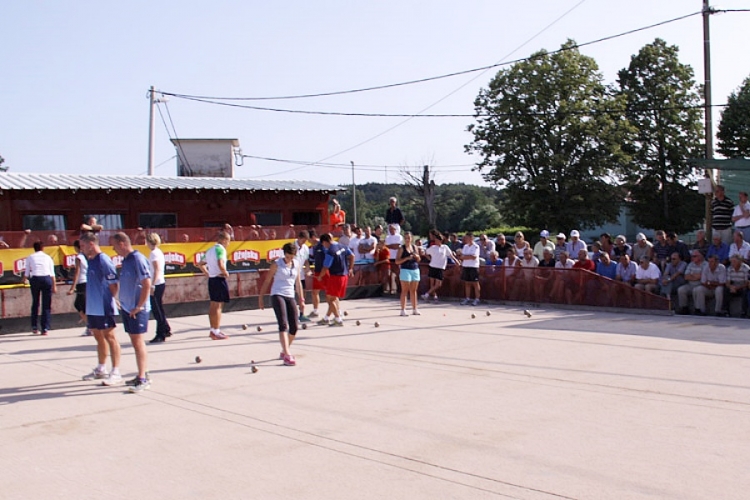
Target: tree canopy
[550,132]
[733,133]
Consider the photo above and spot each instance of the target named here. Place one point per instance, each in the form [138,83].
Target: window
[45,222]
[268,218]
[157,220]
[108,221]
[306,218]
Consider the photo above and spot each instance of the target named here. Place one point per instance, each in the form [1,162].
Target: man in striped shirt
[722,209]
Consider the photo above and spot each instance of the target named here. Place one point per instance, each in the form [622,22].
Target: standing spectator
[408,258]
[78,285]
[470,270]
[393,214]
[741,216]
[701,243]
[338,216]
[737,283]
[713,279]
[543,243]
[135,309]
[378,232]
[693,273]
[366,247]
[302,255]
[158,285]
[722,209]
[338,265]
[283,279]
[353,244]
[346,235]
[101,288]
[501,246]
[393,241]
[739,246]
[438,255]
[674,275]
[486,246]
[575,244]
[215,267]
[642,247]
[383,264]
[40,273]
[719,249]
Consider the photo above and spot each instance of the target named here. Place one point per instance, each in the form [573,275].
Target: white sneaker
[425,296]
[403,312]
[96,375]
[113,379]
[416,312]
[475,303]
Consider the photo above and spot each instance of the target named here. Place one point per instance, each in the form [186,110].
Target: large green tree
[663,104]
[551,132]
[734,129]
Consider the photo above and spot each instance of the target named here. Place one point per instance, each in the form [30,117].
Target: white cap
[574,234]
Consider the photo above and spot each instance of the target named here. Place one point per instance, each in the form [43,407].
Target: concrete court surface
[565,404]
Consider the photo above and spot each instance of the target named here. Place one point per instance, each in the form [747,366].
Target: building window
[157,220]
[45,222]
[268,218]
[306,218]
[108,221]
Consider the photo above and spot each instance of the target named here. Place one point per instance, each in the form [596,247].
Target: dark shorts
[139,324]
[100,322]
[435,273]
[336,286]
[218,290]
[80,302]
[317,283]
[469,274]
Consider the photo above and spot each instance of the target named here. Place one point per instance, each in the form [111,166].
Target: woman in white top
[520,244]
[283,278]
[158,284]
[78,286]
[438,254]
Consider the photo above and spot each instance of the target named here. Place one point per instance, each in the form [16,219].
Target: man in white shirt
[575,244]
[354,240]
[741,216]
[393,241]
[470,270]
[40,273]
[366,247]
[739,246]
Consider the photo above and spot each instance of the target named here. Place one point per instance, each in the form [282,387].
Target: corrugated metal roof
[17,181]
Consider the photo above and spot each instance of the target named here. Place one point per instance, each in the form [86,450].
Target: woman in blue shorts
[408,259]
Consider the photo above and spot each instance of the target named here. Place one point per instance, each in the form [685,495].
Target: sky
[75,77]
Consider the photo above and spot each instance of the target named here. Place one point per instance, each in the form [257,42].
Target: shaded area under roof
[18,181]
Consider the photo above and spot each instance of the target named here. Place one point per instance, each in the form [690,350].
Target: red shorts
[319,284]
[336,286]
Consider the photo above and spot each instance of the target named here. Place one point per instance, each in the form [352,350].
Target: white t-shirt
[84,265]
[743,251]
[370,243]
[302,257]
[438,255]
[652,273]
[472,249]
[39,264]
[743,222]
[394,239]
[156,259]
[568,264]
[353,245]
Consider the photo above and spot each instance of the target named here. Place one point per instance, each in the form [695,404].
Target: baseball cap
[544,234]
[574,233]
[640,236]
[560,236]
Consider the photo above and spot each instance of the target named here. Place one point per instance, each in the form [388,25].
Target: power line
[344,166]
[439,77]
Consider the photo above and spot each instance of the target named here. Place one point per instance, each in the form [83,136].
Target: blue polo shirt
[135,268]
[101,273]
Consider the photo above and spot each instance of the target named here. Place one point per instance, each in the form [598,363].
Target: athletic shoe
[403,313]
[35,332]
[435,298]
[113,379]
[303,318]
[96,374]
[140,385]
[336,323]
[87,333]
[314,314]
[475,303]
[218,336]
[134,380]
[44,332]
[290,361]
[281,355]
[425,296]
[322,322]
[465,302]
[416,312]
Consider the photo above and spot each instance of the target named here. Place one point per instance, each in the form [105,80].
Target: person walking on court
[338,265]
[215,267]
[101,289]
[135,307]
[158,285]
[40,273]
[283,279]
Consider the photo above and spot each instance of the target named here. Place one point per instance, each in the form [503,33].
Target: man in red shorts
[338,265]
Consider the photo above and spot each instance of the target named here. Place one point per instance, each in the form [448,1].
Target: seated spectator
[501,246]
[52,240]
[596,251]
[511,266]
[229,230]
[453,242]
[678,246]
[543,276]
[642,247]
[661,250]
[560,246]
[607,246]
[91,225]
[584,262]
[647,275]
[701,244]
[713,279]
[674,275]
[598,291]
[605,267]
[561,288]
[626,270]
[575,244]
[486,246]
[184,238]
[526,285]
[520,244]
[718,248]
[693,273]
[622,248]
[543,243]
[494,260]
[739,246]
[737,283]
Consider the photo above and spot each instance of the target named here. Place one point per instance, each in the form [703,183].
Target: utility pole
[151,131]
[354,194]
[707,11]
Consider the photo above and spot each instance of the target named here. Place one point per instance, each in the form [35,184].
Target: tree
[481,218]
[734,128]
[424,187]
[663,103]
[551,132]
[2,169]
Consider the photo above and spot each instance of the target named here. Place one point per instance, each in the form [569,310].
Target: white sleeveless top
[285,278]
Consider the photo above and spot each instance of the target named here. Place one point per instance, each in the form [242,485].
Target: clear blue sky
[75,75]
